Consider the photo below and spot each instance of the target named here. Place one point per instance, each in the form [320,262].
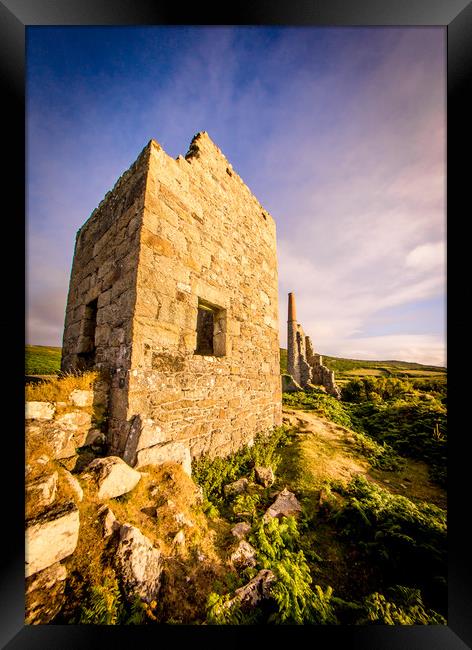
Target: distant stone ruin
[174,293]
[304,365]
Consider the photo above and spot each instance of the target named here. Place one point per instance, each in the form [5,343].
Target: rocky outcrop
[44,594]
[138,564]
[285,505]
[51,537]
[112,476]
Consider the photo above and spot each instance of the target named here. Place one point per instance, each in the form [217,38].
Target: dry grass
[325,451]
[59,389]
[189,571]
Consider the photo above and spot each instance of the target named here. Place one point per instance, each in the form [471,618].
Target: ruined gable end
[166,295]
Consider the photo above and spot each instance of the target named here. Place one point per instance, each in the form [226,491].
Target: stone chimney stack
[292,344]
[292,308]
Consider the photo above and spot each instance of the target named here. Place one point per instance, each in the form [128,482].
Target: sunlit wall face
[340,133]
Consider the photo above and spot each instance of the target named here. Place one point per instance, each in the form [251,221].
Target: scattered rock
[264,476]
[244,555]
[285,505]
[44,594]
[150,511]
[81,397]
[108,521]
[39,411]
[50,537]
[179,539]
[113,476]
[238,487]
[254,591]
[73,484]
[138,564]
[241,530]
[181,519]
[42,492]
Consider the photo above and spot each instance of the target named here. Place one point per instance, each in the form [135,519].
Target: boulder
[44,594]
[42,492]
[108,521]
[176,452]
[264,475]
[113,476]
[238,487]
[50,537]
[39,410]
[81,397]
[138,564]
[254,591]
[241,530]
[285,505]
[73,484]
[244,555]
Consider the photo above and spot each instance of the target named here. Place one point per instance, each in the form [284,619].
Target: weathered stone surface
[237,487]
[39,410]
[73,485]
[138,564]
[254,591]
[108,521]
[44,594]
[264,475]
[244,555]
[176,452]
[51,537]
[81,397]
[42,492]
[75,420]
[113,476]
[289,385]
[173,238]
[285,505]
[241,530]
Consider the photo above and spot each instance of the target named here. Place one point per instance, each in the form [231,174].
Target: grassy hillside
[42,360]
[346,369]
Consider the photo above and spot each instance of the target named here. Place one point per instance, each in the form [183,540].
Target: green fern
[103,605]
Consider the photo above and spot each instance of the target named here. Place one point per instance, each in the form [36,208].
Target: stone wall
[172,236]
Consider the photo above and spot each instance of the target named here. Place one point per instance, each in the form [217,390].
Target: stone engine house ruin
[303,364]
[174,292]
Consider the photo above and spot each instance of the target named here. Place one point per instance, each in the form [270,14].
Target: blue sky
[339,132]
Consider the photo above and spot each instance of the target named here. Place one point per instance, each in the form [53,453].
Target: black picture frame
[15,16]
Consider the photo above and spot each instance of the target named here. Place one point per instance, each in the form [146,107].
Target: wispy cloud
[338,132]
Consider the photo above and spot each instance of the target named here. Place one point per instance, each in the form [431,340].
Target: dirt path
[328,451]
